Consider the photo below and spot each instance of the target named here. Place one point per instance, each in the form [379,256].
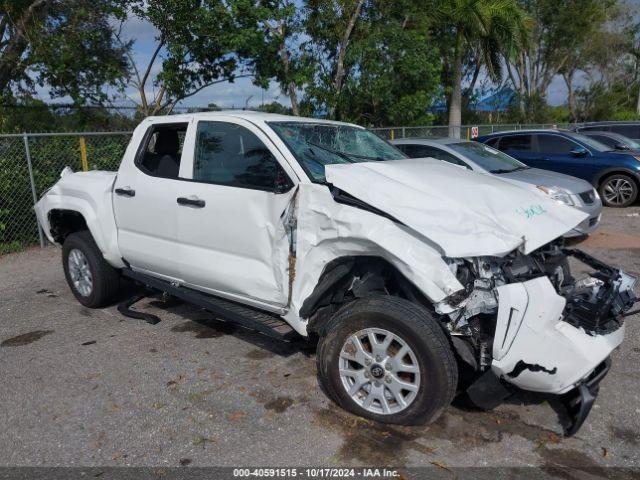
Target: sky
[238,94]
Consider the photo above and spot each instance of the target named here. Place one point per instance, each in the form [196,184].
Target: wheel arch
[603,175]
[351,277]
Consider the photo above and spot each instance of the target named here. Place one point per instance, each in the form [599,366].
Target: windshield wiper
[344,155]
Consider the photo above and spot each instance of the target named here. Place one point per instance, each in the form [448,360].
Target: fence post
[33,183]
[83,154]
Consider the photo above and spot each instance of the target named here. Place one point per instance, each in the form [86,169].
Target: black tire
[106,279]
[609,181]
[418,329]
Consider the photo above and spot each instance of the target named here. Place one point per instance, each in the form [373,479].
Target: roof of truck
[250,115]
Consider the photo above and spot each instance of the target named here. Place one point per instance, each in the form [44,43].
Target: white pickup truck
[408,271]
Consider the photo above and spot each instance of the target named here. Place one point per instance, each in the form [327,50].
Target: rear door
[144,201]
[234,212]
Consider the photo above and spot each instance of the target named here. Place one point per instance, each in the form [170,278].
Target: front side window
[228,154]
[516,142]
[555,144]
[316,144]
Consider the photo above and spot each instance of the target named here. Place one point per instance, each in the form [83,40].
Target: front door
[558,153]
[233,214]
[144,201]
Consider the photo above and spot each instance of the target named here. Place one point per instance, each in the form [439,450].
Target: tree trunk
[11,65]
[293,95]
[340,71]
[455,101]
[571,97]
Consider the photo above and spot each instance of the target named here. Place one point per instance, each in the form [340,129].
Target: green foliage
[49,155]
[66,45]
[392,65]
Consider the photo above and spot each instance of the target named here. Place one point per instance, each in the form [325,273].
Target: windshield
[316,144]
[591,142]
[488,158]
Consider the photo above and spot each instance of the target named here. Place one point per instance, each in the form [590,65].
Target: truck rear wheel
[92,280]
[387,359]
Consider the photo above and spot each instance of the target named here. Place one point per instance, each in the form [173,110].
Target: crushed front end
[524,321]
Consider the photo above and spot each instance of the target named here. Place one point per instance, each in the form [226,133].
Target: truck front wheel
[92,280]
[387,359]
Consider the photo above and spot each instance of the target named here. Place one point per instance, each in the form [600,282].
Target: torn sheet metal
[542,352]
[327,230]
[464,213]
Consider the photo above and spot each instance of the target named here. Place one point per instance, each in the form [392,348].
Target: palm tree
[485,27]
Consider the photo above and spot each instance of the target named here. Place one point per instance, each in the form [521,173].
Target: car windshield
[488,158]
[316,144]
[590,142]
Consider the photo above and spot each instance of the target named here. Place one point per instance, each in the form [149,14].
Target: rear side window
[631,131]
[493,142]
[229,154]
[555,144]
[594,128]
[162,149]
[515,142]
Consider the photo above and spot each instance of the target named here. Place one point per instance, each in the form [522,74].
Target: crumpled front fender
[535,349]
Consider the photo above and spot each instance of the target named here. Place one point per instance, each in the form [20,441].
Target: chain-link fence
[466,131]
[31,163]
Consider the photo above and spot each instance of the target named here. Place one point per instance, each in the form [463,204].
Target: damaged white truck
[419,279]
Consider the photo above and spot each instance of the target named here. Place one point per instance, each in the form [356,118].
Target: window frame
[144,143]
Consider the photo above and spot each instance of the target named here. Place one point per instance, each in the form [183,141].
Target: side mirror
[579,152]
[621,146]
[282,184]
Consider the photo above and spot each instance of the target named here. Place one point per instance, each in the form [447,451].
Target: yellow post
[468,133]
[83,154]
[393,134]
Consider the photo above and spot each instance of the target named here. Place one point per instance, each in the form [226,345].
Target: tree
[394,67]
[199,43]
[561,28]
[332,28]
[66,45]
[279,56]
[486,28]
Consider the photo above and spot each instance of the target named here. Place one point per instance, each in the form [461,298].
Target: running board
[247,317]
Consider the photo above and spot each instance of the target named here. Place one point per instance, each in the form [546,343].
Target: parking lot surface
[94,388]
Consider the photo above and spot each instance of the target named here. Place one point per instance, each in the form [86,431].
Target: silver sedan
[481,158]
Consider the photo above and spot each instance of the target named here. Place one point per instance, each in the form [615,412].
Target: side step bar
[247,317]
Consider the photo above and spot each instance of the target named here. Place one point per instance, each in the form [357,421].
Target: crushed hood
[465,213]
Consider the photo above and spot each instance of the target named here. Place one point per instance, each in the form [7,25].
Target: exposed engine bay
[525,321]
[595,302]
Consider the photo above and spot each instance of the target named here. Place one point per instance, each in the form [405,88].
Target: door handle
[125,192]
[191,202]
